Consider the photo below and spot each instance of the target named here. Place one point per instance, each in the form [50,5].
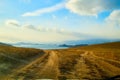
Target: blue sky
[58,20]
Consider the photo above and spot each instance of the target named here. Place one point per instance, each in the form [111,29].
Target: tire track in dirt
[84,71]
[41,68]
[90,66]
[50,70]
[105,69]
[111,61]
[81,66]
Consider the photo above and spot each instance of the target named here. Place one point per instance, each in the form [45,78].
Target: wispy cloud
[55,30]
[45,10]
[15,23]
[12,22]
[60,34]
[43,29]
[80,7]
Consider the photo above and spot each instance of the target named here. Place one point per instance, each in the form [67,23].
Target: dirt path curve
[50,70]
[81,69]
[41,68]
[56,65]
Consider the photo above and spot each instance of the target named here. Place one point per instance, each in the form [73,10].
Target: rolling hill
[14,57]
[4,44]
[95,62]
[92,41]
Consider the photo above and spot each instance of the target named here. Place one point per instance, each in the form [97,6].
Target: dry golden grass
[81,63]
[20,52]
[14,57]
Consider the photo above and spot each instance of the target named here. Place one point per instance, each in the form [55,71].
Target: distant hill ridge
[92,41]
[107,45]
[4,44]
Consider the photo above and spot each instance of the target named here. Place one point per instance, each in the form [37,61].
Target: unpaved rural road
[84,66]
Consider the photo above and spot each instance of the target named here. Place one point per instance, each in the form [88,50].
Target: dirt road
[43,67]
[55,65]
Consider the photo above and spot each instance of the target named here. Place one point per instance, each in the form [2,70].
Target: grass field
[94,62]
[14,57]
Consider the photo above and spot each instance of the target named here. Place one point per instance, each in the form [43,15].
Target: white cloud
[29,26]
[44,10]
[81,7]
[91,7]
[43,29]
[114,18]
[28,32]
[12,22]
[15,23]
[25,34]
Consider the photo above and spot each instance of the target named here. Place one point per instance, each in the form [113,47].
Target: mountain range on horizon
[86,41]
[91,41]
[63,45]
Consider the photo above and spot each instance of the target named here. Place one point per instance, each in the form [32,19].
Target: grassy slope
[107,50]
[4,44]
[97,62]
[13,57]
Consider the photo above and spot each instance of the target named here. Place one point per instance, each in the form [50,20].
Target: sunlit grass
[12,57]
